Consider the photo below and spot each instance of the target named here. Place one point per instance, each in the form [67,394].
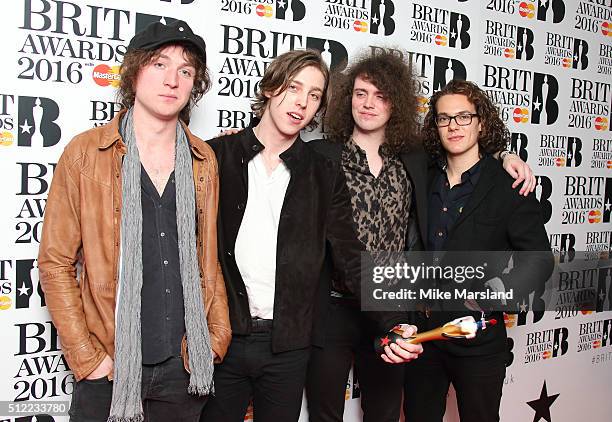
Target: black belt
[261,325]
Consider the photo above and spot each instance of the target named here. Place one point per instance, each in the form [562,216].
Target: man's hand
[103,370]
[230,131]
[401,351]
[521,171]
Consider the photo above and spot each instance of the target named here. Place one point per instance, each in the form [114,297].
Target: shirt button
[229,253]
[167,318]
[440,234]
[165,262]
[162,234]
[255,147]
[168,291]
[240,206]
[444,209]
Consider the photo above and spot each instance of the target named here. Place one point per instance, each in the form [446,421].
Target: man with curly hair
[373,133]
[133,208]
[472,207]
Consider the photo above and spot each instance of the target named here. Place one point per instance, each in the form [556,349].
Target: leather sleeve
[58,254]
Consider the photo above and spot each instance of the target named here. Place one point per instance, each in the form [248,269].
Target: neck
[274,141]
[458,164]
[151,132]
[369,141]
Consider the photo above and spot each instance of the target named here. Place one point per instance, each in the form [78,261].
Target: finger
[409,331]
[517,181]
[400,354]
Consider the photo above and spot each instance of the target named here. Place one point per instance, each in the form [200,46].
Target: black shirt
[446,204]
[162,310]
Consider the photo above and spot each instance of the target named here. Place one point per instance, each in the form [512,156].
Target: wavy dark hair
[135,60]
[281,71]
[494,136]
[396,81]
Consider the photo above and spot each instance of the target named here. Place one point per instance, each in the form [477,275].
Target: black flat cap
[157,34]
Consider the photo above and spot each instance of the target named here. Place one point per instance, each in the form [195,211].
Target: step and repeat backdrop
[547,63]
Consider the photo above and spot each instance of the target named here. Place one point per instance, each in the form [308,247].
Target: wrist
[504,154]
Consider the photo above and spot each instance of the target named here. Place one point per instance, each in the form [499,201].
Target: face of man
[458,140]
[371,109]
[163,87]
[288,112]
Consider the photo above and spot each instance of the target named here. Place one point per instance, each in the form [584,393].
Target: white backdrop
[547,63]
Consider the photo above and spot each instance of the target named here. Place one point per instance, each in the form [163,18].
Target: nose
[368,102]
[171,78]
[302,99]
[452,125]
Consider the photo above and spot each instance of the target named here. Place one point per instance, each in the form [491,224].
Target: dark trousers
[478,382]
[275,382]
[350,335]
[164,396]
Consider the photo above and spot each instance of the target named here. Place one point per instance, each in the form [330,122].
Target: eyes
[362,94]
[186,72]
[314,96]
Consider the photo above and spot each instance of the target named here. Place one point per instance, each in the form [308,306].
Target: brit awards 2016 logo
[565,51]
[594,335]
[604,65]
[43,372]
[36,121]
[546,344]
[594,16]
[576,290]
[602,154]
[518,145]
[62,37]
[366,16]
[35,179]
[598,245]
[559,151]
[442,27]
[247,52]
[288,10]
[509,41]
[522,95]
[590,104]
[587,199]
[563,245]
[542,10]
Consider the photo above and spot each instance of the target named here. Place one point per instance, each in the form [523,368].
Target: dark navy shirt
[162,310]
[446,204]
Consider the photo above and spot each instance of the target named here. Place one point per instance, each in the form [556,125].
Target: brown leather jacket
[81,229]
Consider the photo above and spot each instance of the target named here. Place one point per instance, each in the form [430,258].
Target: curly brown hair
[281,71]
[135,60]
[395,80]
[493,137]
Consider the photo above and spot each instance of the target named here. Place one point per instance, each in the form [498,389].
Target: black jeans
[275,382]
[350,335]
[164,396]
[478,382]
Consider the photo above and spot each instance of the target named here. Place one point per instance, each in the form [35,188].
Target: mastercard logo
[521,115]
[609,164]
[546,355]
[422,105]
[105,75]
[441,40]
[5,302]
[527,10]
[596,344]
[560,161]
[586,312]
[360,26]
[509,320]
[509,53]
[263,11]
[594,216]
[604,255]
[601,123]
[567,62]
[6,138]
[606,28]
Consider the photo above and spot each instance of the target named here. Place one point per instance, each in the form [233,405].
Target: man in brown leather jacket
[130,274]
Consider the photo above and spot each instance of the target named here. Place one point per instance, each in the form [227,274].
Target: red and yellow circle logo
[264,11]
[441,40]
[567,62]
[360,26]
[422,104]
[606,28]
[594,216]
[609,164]
[546,354]
[601,123]
[105,75]
[521,115]
[527,10]
[509,320]
[560,161]
[596,344]
[6,138]
[5,302]
[509,53]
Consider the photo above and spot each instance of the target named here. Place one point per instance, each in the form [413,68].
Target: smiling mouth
[296,116]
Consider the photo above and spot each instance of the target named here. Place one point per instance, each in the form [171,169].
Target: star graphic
[23,290]
[384,341]
[523,306]
[608,205]
[542,405]
[25,127]
[569,155]
[605,336]
[536,105]
[576,58]
[520,47]
[375,20]
[453,34]
[281,4]
[556,346]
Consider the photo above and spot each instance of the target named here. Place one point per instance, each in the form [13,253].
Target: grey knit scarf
[127,403]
